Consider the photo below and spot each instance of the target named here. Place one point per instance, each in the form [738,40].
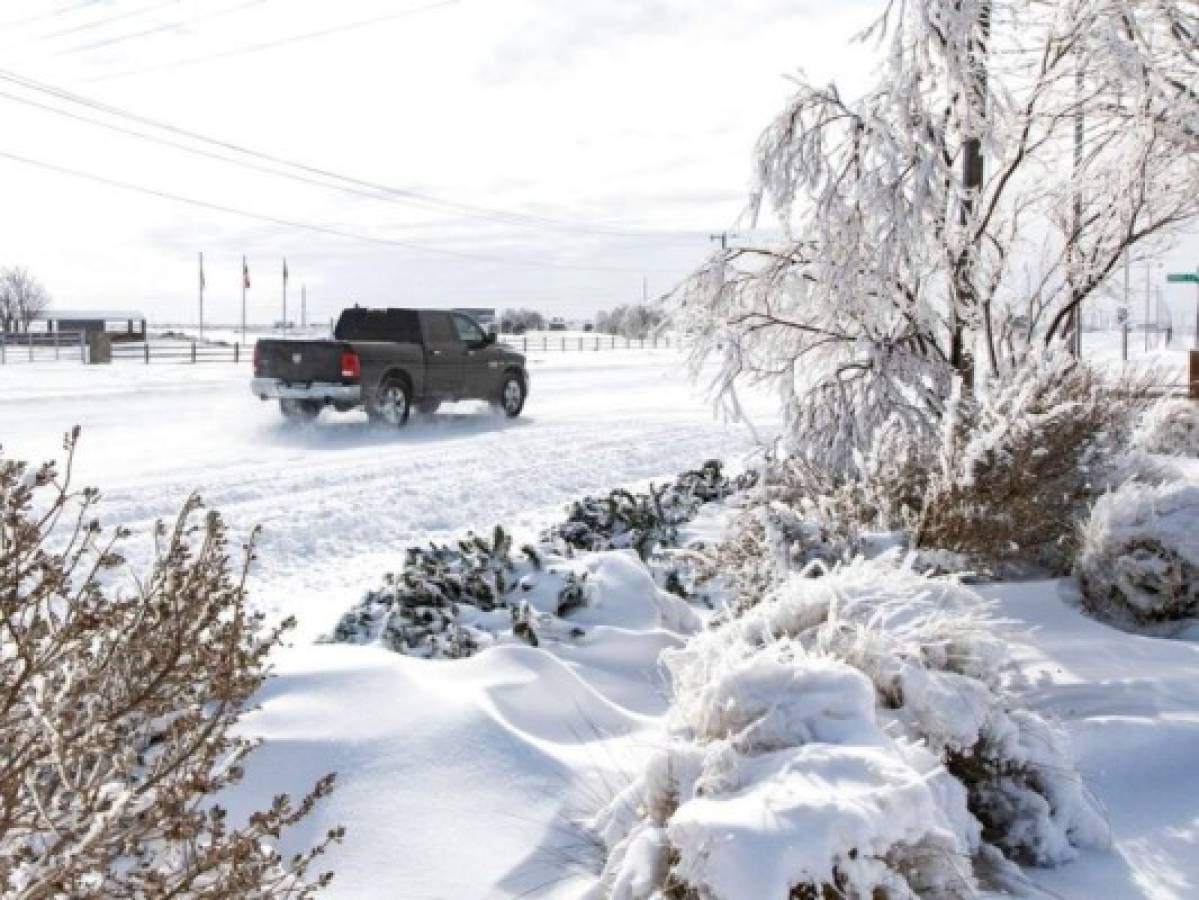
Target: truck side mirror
[489,338]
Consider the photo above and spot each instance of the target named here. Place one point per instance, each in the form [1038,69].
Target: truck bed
[300,361]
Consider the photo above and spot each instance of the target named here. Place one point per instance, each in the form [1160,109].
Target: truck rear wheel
[392,402]
[299,410]
[512,396]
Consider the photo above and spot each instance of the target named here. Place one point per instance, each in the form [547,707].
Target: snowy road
[338,499]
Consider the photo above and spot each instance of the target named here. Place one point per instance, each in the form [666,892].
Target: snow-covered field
[462,779]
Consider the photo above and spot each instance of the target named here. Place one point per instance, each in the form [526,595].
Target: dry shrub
[1019,468]
[1169,426]
[117,707]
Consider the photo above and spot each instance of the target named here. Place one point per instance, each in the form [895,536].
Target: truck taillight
[351,365]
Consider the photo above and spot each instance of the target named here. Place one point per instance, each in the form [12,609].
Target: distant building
[117,324]
[483,315]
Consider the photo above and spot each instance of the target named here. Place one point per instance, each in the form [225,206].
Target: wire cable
[158,29]
[349,183]
[271,45]
[306,226]
[99,23]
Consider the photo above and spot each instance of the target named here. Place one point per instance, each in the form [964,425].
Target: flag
[285,270]
[201,271]
[245,273]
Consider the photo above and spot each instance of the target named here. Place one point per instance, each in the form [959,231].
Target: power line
[53,14]
[271,45]
[346,183]
[303,226]
[159,29]
[99,23]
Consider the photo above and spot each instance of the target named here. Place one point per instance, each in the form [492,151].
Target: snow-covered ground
[462,779]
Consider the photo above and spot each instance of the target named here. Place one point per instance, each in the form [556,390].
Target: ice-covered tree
[1007,156]
[22,298]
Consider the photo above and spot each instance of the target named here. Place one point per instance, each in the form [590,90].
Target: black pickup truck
[389,361]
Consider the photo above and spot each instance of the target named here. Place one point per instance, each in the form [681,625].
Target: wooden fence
[183,351]
[42,346]
[176,351]
[584,343]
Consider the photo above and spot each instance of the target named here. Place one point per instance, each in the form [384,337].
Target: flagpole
[201,296]
[283,324]
[243,299]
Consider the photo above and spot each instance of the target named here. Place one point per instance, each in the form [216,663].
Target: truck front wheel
[512,396]
[392,402]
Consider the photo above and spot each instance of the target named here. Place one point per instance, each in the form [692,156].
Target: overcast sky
[560,151]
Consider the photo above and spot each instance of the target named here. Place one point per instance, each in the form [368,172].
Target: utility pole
[1148,291]
[1076,316]
[644,290]
[303,306]
[1127,310]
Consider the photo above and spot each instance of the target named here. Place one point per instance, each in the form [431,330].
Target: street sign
[1183,278]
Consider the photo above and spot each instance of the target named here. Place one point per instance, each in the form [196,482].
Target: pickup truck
[389,361]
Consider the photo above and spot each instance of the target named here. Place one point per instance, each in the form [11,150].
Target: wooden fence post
[236,352]
[193,351]
[1194,385]
[146,349]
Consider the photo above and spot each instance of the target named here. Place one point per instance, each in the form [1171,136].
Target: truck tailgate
[300,361]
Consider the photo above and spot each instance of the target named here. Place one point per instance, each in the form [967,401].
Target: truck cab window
[468,332]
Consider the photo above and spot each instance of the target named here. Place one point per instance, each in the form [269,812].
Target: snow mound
[781,775]
[1169,426]
[454,603]
[1140,553]
[849,734]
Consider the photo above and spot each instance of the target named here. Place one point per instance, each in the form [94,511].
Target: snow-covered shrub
[452,600]
[1140,553]
[643,521]
[1020,466]
[118,709]
[1169,426]
[848,734]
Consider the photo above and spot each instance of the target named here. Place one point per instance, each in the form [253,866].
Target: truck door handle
[437,353]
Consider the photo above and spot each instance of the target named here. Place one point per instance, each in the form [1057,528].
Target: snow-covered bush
[1019,467]
[848,735]
[1140,553]
[643,521]
[450,601]
[118,709]
[1169,426]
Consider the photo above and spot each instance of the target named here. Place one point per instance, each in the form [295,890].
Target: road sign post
[1189,278]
